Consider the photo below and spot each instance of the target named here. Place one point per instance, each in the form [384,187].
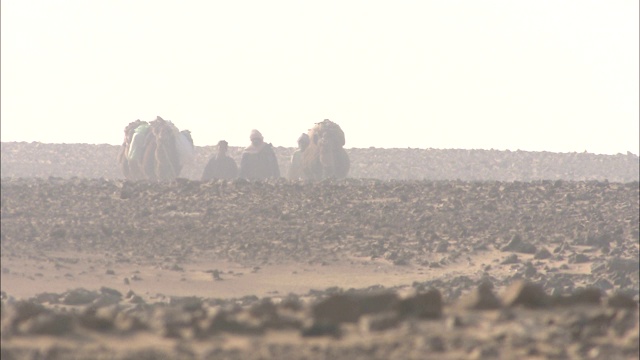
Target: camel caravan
[157,151]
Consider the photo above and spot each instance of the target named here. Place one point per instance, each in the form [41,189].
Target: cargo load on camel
[155,150]
[325,156]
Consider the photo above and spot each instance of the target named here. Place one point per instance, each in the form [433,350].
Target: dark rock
[454,322]
[322,329]
[48,324]
[436,344]
[518,245]
[564,247]
[265,309]
[50,298]
[187,303]
[542,254]
[529,270]
[603,284]
[98,319]
[442,247]
[376,302]
[109,291]
[578,259]
[587,296]
[526,294]
[291,302]
[79,296]
[135,299]
[106,300]
[510,259]
[336,309]
[379,322]
[485,352]
[22,311]
[481,298]
[623,266]
[427,305]
[621,300]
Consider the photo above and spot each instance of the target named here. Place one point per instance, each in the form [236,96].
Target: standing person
[295,171]
[258,161]
[221,166]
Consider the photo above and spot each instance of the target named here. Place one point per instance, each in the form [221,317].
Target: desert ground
[420,253]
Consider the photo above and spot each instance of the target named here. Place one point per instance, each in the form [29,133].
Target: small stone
[216,275]
[578,259]
[511,259]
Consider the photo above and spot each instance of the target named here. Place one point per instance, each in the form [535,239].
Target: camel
[131,169]
[325,157]
[154,151]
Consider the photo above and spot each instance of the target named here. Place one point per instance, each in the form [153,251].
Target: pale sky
[559,76]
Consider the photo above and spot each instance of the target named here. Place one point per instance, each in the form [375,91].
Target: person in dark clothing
[258,161]
[221,166]
[295,170]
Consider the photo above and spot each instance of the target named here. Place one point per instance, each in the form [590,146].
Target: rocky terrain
[21,159]
[448,254]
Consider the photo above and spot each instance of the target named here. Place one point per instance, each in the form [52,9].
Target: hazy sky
[537,75]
